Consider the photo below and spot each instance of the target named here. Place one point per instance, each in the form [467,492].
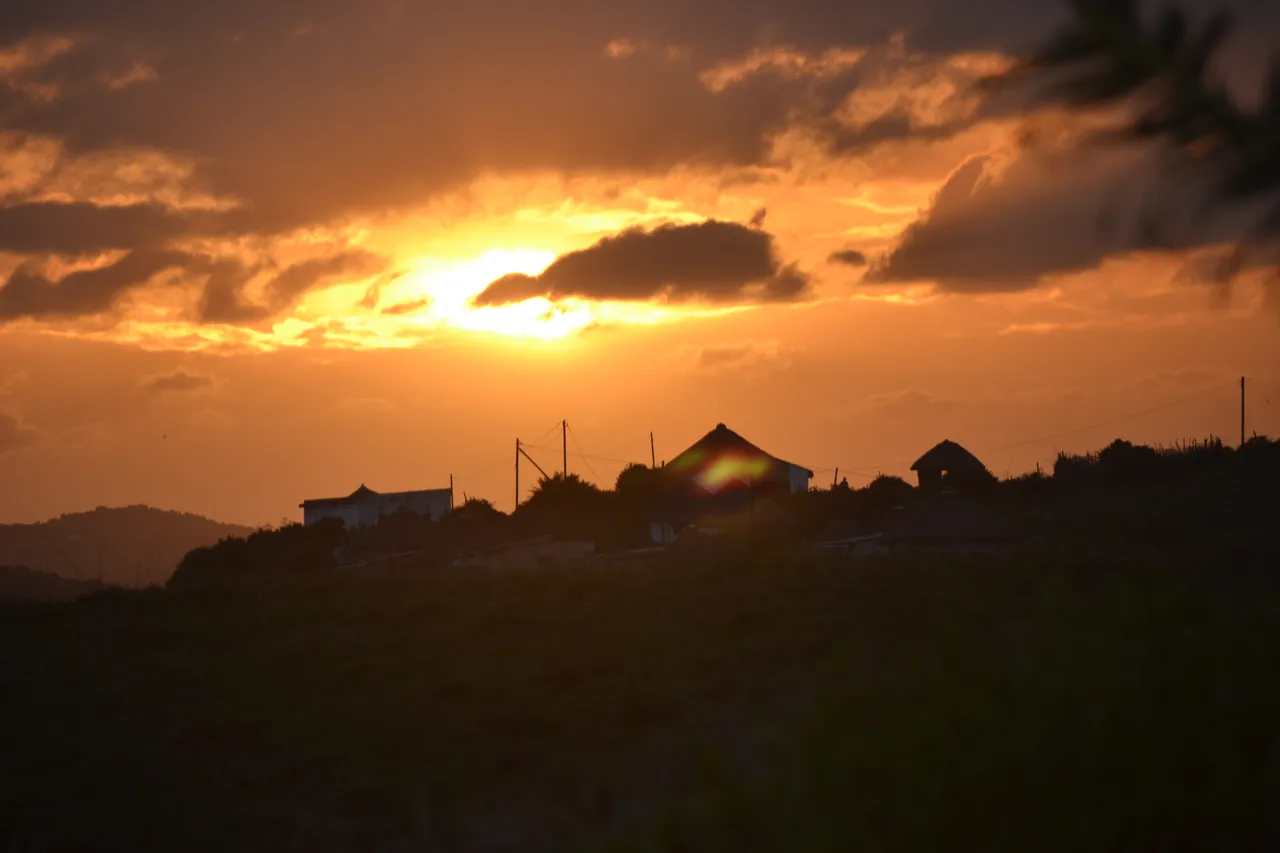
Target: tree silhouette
[562,491]
[1160,75]
[477,510]
[887,491]
[638,483]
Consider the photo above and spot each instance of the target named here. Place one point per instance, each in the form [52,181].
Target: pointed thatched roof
[949,456]
[720,442]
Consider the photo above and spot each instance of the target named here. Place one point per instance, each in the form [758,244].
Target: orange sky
[226,298]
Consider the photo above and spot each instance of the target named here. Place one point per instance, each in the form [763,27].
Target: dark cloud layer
[848,257]
[97,291]
[988,233]
[180,381]
[82,228]
[313,110]
[85,292]
[711,260]
[224,300]
[402,308]
[997,229]
[308,111]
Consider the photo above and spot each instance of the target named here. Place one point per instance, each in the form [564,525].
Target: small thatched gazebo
[947,459]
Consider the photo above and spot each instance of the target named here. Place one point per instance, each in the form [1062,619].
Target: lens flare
[729,470]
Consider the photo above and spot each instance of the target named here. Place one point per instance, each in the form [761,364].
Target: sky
[259,251]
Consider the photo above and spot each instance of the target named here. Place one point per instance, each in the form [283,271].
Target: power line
[861,470]
[578,446]
[610,459]
[554,429]
[1120,419]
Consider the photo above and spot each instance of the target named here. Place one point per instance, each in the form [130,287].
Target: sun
[437,294]
[450,286]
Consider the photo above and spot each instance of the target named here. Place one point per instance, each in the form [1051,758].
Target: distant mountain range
[126,546]
[30,585]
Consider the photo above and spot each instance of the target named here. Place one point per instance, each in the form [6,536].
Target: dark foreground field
[1050,703]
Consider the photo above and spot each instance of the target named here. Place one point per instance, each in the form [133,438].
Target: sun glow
[449,288]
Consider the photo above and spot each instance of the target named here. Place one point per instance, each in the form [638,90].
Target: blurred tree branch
[1157,75]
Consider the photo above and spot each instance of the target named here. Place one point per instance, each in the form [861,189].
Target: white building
[364,507]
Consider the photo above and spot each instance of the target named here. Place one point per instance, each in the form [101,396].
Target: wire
[610,459]
[1100,424]
[612,454]
[547,434]
[582,453]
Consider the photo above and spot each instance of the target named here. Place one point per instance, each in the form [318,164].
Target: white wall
[798,479]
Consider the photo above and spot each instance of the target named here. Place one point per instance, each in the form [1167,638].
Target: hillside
[17,582]
[1119,687]
[124,546]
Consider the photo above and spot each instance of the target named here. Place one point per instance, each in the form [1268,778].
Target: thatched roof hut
[947,459]
[723,460]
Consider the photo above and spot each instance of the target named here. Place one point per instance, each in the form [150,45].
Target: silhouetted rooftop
[718,442]
[948,456]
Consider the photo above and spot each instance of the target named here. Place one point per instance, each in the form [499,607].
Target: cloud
[14,435]
[179,381]
[364,407]
[224,299]
[747,356]
[373,294]
[1005,220]
[88,292]
[910,94]
[848,257]
[994,227]
[786,62]
[138,72]
[911,403]
[410,307]
[32,52]
[712,260]
[84,292]
[429,102]
[80,228]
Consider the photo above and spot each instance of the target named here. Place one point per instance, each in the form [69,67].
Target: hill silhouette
[25,584]
[123,546]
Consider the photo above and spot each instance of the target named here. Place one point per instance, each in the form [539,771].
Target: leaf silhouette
[1159,73]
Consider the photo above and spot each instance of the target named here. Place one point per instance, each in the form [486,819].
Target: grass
[762,703]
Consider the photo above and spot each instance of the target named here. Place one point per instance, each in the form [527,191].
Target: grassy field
[762,703]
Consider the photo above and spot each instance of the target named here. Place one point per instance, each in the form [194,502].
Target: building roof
[948,456]
[739,458]
[365,493]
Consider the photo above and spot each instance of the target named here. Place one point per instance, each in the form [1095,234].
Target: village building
[947,461]
[721,475]
[364,507]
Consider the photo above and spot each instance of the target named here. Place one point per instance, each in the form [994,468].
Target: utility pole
[1242,412]
[835,478]
[517,506]
[564,445]
[451,493]
[653,457]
